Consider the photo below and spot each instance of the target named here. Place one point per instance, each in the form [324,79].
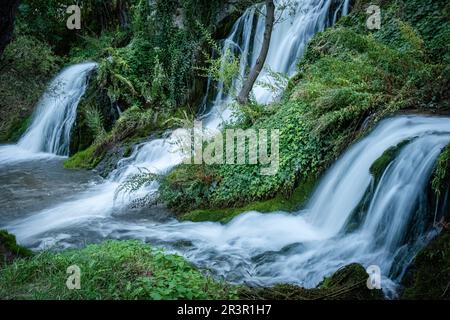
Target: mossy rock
[428,277]
[348,283]
[281,202]
[9,249]
[380,165]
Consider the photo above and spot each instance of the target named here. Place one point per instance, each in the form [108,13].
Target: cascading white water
[294,28]
[301,248]
[49,132]
[280,247]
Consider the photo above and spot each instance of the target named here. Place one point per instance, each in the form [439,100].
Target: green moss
[280,203]
[113,270]
[86,159]
[9,249]
[428,277]
[348,283]
[16,129]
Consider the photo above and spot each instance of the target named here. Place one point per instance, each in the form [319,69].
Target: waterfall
[49,132]
[299,248]
[294,28]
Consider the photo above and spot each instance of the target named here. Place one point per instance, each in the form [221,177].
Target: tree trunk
[243,97]
[8,10]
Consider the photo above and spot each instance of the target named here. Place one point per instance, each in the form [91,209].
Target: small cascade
[52,122]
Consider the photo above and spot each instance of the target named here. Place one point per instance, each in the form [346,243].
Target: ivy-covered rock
[441,174]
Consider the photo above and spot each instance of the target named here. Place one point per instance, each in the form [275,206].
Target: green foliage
[46,20]
[111,76]
[134,122]
[347,78]
[29,54]
[86,159]
[136,183]
[223,68]
[348,283]
[13,129]
[148,70]
[246,115]
[127,270]
[187,187]
[94,121]
[275,83]
[430,18]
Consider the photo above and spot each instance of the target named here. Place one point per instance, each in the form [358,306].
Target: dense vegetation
[151,56]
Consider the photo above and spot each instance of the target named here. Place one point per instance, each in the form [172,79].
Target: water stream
[49,132]
[298,248]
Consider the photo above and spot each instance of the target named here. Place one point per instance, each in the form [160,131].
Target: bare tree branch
[243,97]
